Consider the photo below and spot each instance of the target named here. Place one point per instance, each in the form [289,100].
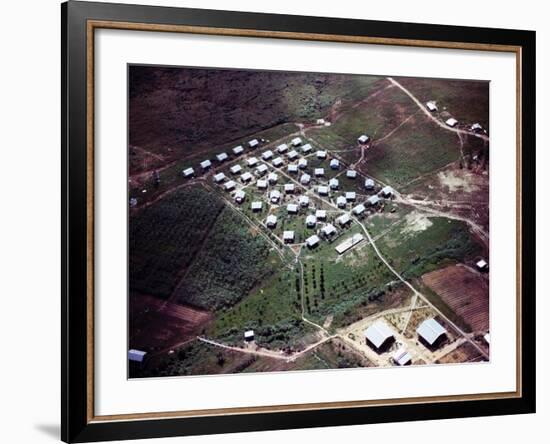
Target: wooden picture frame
[79,22]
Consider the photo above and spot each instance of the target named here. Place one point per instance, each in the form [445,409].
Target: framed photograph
[276,221]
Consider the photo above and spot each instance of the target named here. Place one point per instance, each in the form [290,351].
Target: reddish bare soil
[464,353]
[465,291]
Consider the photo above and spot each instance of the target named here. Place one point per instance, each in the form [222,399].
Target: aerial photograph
[283,221]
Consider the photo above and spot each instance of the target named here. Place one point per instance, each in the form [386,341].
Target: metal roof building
[245,177]
[136,355]
[351,195]
[289,188]
[307,148]
[229,185]
[240,196]
[253,143]
[249,335]
[271,220]
[319,171]
[235,169]
[359,209]
[305,179]
[262,169]
[282,148]
[369,184]
[363,138]
[256,205]
[311,220]
[278,161]
[321,214]
[292,155]
[430,331]
[205,164]
[288,236]
[219,177]
[296,141]
[482,264]
[431,106]
[322,190]
[304,201]
[451,122]
[341,201]
[262,184]
[292,208]
[378,334]
[292,168]
[386,191]
[343,219]
[272,178]
[275,195]
[351,174]
[312,241]
[335,164]
[321,154]
[349,243]
[328,230]
[333,183]
[373,200]
[238,149]
[221,157]
[402,357]
[302,163]
[266,155]
[251,161]
[188,172]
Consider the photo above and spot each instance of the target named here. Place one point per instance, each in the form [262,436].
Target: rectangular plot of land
[465,291]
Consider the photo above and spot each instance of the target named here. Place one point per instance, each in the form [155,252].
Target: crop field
[217,287]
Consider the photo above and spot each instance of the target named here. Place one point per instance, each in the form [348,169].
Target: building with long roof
[379,335]
[431,332]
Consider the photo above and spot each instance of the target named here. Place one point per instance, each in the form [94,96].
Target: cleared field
[464,291]
[464,353]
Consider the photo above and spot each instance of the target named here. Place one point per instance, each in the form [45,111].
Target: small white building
[431,331]
[378,335]
[351,195]
[322,190]
[343,220]
[246,177]
[266,155]
[431,106]
[136,355]
[476,127]
[238,150]
[289,188]
[262,169]
[321,214]
[302,163]
[235,169]
[359,209]
[256,205]
[334,164]
[205,164]
[221,157]
[321,154]
[292,155]
[249,335]
[278,161]
[261,184]
[272,178]
[312,241]
[328,230]
[482,265]
[292,208]
[373,200]
[271,221]
[253,143]
[351,174]
[251,161]
[363,138]
[311,220]
[282,148]
[292,169]
[369,184]
[341,201]
[188,172]
[296,141]
[304,201]
[387,191]
[333,183]
[320,121]
[220,177]
[240,196]
[402,357]
[305,179]
[288,236]
[306,148]
[451,122]
[274,196]
[230,185]
[319,172]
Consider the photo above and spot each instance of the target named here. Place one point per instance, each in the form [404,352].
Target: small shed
[262,169]
[335,164]
[296,141]
[240,196]
[431,332]
[363,138]
[333,183]
[136,355]
[238,150]
[402,357]
[292,208]
[235,169]
[249,335]
[288,236]
[351,174]
[322,190]
[328,230]
[482,265]
[275,195]
[373,200]
[321,214]
[246,177]
[261,184]
[253,143]
[271,221]
[302,163]
[205,164]
[272,178]
[251,161]
[306,148]
[292,155]
[188,172]
[266,155]
[351,195]
[289,188]
[278,161]
[230,185]
[344,219]
[451,122]
[292,169]
[282,148]
[221,157]
[321,154]
[312,241]
[387,191]
[319,172]
[305,179]
[476,127]
[359,209]
[431,106]
[379,335]
[304,201]
[369,184]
